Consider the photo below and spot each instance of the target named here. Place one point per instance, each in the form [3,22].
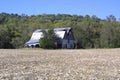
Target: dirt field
[36,64]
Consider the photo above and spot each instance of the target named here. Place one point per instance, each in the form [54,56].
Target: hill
[89,31]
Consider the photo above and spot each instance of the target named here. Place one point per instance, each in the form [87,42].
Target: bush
[49,41]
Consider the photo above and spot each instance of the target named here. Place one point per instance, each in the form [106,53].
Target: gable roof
[55,29]
[37,34]
[60,32]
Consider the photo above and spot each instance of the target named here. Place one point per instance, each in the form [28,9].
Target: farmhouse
[65,34]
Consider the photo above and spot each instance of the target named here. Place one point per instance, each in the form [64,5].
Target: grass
[39,64]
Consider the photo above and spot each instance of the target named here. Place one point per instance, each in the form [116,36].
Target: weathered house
[65,34]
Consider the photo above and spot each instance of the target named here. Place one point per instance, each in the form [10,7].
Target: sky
[100,8]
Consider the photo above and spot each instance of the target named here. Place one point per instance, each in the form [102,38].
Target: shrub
[49,41]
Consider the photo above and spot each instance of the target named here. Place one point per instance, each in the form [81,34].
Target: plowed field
[37,64]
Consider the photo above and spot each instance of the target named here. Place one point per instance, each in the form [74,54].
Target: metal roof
[55,29]
[37,34]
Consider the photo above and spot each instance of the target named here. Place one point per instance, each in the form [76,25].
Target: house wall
[71,43]
[64,43]
[68,40]
[68,44]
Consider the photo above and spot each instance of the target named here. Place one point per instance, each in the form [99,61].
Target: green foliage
[89,31]
[8,36]
[49,41]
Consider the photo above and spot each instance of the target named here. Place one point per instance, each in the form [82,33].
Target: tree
[10,37]
[89,31]
[49,41]
[111,18]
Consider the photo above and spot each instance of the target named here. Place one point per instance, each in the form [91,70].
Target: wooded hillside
[89,31]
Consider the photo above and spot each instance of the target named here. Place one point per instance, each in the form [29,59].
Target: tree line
[89,31]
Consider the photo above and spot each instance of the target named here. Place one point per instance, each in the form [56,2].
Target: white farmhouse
[65,34]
